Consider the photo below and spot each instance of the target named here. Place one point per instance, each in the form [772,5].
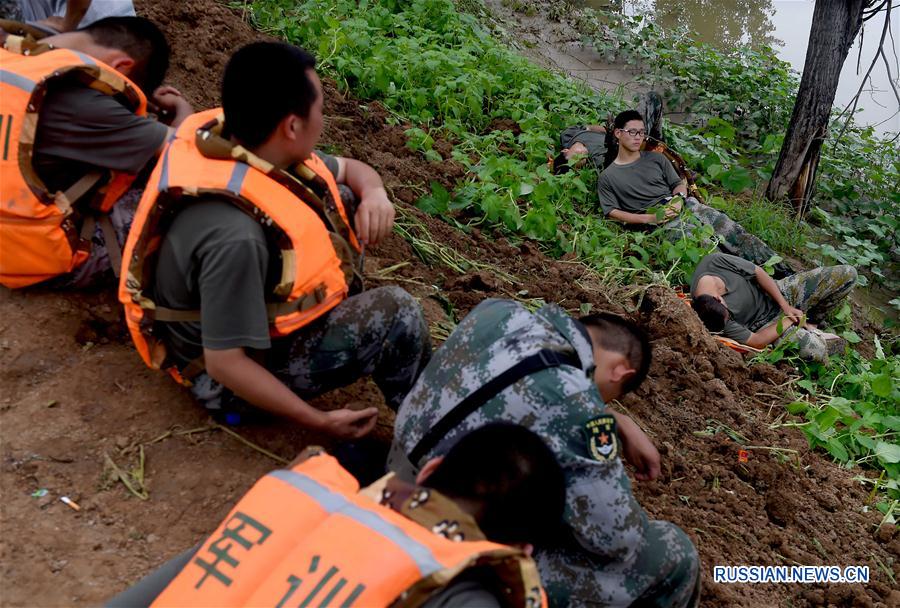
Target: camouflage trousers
[817,292]
[664,571]
[379,333]
[732,237]
[97,271]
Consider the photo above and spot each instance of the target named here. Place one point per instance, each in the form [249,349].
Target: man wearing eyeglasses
[638,180]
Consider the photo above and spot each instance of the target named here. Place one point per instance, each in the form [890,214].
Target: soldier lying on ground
[308,536]
[243,264]
[556,375]
[78,136]
[637,181]
[738,299]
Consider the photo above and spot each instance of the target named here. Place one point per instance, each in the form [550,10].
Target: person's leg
[819,291]
[97,270]
[380,332]
[813,347]
[665,571]
[734,238]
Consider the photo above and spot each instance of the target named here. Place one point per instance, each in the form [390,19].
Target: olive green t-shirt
[750,308]
[216,258]
[636,186]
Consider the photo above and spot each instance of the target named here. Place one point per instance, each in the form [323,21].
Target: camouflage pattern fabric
[732,237]
[96,271]
[379,333]
[817,292]
[612,554]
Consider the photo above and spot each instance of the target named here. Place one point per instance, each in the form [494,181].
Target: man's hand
[792,313]
[374,217]
[172,102]
[350,424]
[637,449]
[673,209]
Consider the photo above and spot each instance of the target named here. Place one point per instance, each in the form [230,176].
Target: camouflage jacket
[561,404]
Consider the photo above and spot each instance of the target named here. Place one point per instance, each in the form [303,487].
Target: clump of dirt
[74,392]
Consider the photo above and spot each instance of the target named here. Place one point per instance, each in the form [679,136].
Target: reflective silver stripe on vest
[332,502]
[236,181]
[87,59]
[20,82]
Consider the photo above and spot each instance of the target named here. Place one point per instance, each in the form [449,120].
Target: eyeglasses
[634,133]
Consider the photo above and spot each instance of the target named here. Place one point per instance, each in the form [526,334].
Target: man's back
[556,403]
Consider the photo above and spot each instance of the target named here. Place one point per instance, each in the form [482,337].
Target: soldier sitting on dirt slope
[242,237]
[638,180]
[307,536]
[555,375]
[738,299]
[73,111]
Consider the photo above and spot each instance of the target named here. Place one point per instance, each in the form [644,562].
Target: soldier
[77,137]
[637,181]
[438,543]
[555,375]
[740,300]
[242,237]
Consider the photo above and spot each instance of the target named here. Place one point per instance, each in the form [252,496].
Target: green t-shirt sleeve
[232,292]
[608,200]
[81,124]
[736,331]
[671,175]
[330,161]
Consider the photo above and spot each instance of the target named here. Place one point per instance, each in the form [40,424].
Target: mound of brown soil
[75,396]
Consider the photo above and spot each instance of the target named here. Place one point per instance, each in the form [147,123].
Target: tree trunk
[835,24]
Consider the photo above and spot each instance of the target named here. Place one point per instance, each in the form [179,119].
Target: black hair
[712,312]
[625,117]
[141,40]
[263,83]
[513,477]
[627,338]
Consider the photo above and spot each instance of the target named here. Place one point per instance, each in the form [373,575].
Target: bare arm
[637,448]
[768,285]
[632,218]
[252,382]
[767,335]
[680,189]
[75,11]
[375,214]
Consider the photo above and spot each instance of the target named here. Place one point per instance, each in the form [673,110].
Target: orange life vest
[38,235]
[315,241]
[306,537]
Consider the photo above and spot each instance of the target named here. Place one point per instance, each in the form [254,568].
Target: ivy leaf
[736,179]
[887,452]
[883,385]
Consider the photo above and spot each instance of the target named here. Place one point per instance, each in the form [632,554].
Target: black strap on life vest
[543,359]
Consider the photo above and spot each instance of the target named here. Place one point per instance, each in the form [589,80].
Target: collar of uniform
[574,332]
[428,508]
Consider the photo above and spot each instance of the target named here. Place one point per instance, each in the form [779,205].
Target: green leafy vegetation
[438,71]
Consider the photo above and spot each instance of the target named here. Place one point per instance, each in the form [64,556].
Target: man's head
[629,130]
[622,354]
[507,477]
[712,311]
[133,46]
[271,95]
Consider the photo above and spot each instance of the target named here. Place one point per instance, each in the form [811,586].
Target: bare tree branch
[869,13]
[855,100]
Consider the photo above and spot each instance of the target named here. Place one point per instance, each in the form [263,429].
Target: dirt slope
[73,391]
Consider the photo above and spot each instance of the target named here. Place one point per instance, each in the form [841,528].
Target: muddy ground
[72,392]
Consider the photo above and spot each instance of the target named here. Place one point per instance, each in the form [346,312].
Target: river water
[785,25]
